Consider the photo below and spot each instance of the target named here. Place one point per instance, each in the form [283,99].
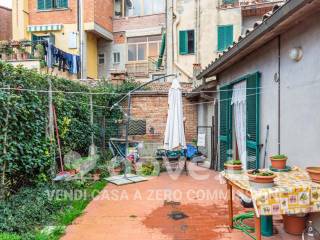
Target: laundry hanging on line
[64,61]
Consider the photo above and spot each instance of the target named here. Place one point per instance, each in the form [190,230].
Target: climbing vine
[26,152]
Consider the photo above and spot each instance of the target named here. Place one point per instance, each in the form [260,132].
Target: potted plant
[294,223]
[117,166]
[10,53]
[279,161]
[23,52]
[263,178]
[71,171]
[233,166]
[96,175]
[314,173]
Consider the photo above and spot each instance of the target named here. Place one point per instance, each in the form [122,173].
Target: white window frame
[114,54]
[103,58]
[147,49]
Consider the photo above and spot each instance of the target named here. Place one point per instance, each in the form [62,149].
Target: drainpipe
[81,37]
[175,29]
[279,94]
[198,19]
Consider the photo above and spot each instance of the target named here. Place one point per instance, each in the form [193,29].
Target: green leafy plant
[261,173]
[147,168]
[279,156]
[233,162]
[29,150]
[9,236]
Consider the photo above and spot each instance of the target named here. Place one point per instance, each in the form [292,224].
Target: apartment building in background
[138,26]
[61,21]
[198,30]
[5,23]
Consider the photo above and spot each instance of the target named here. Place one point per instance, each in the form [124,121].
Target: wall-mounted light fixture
[296,54]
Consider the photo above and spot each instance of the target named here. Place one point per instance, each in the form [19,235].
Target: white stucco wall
[211,16]
[300,93]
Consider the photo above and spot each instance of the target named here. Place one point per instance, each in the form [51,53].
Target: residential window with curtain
[186,42]
[52,4]
[143,48]
[225,37]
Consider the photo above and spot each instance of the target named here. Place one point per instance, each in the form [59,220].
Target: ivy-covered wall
[26,152]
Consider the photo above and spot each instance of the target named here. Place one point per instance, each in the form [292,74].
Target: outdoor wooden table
[293,193]
[233,186]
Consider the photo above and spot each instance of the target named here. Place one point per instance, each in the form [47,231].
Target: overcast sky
[6,3]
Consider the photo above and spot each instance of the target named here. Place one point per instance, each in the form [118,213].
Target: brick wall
[103,13]
[154,109]
[5,23]
[123,24]
[99,11]
[68,16]
[119,38]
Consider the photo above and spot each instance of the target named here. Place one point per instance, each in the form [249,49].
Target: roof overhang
[281,20]
[98,30]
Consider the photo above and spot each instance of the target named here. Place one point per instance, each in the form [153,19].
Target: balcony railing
[144,69]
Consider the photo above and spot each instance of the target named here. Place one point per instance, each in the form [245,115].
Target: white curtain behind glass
[239,107]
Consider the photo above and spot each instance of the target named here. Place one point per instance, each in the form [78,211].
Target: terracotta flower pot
[232,167]
[72,172]
[279,163]
[261,179]
[117,170]
[96,176]
[314,173]
[294,224]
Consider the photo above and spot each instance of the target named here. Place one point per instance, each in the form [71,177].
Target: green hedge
[24,122]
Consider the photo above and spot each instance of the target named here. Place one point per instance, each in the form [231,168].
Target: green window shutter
[221,38]
[225,136]
[61,3]
[41,4]
[183,42]
[225,37]
[228,1]
[228,35]
[48,4]
[253,120]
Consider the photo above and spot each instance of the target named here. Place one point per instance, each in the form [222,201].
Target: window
[52,4]
[228,1]
[133,7]
[186,42]
[118,8]
[153,6]
[143,48]
[225,37]
[101,58]
[140,7]
[142,52]
[116,57]
[132,52]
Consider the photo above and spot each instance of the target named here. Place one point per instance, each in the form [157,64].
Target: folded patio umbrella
[174,135]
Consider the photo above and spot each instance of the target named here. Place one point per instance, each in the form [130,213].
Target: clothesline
[63,60]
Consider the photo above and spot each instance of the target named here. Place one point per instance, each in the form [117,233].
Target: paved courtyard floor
[142,211]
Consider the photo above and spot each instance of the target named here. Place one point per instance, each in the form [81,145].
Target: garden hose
[238,223]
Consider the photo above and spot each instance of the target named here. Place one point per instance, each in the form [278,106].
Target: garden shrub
[26,153]
[29,208]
